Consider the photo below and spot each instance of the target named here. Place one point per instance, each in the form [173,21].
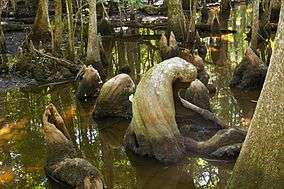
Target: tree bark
[41,26]
[176,18]
[255,25]
[71,39]
[113,100]
[58,25]
[260,163]
[153,130]
[93,50]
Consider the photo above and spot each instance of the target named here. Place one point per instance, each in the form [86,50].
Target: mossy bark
[176,18]
[260,164]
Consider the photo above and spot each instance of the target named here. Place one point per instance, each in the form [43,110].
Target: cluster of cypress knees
[170,101]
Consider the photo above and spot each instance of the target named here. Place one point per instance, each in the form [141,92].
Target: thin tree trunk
[93,50]
[58,25]
[225,8]
[71,39]
[255,25]
[260,164]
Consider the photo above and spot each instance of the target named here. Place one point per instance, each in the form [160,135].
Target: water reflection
[22,150]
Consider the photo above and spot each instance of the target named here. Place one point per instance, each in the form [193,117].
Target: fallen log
[65,63]
[163,26]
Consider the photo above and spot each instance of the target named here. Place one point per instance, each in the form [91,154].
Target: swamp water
[22,149]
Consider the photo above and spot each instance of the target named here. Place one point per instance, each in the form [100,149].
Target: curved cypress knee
[62,163]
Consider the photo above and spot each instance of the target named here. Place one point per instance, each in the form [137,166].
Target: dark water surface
[22,150]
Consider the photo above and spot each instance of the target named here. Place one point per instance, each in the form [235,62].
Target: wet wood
[62,164]
[203,112]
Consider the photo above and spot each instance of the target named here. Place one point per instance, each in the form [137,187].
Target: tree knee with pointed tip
[153,129]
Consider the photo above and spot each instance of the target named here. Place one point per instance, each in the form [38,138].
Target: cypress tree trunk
[71,46]
[93,50]
[41,26]
[255,26]
[176,18]
[260,163]
[58,25]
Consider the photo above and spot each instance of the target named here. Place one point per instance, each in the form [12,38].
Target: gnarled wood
[153,130]
[62,164]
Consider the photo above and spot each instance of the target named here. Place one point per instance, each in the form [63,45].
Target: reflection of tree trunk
[108,162]
[152,175]
[219,55]
[3,51]
[261,156]
[121,50]
[111,137]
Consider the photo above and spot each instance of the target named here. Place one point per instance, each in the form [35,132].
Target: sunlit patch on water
[6,176]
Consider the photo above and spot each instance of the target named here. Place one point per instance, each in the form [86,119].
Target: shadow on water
[22,150]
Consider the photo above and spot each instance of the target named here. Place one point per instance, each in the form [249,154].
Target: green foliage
[122,3]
